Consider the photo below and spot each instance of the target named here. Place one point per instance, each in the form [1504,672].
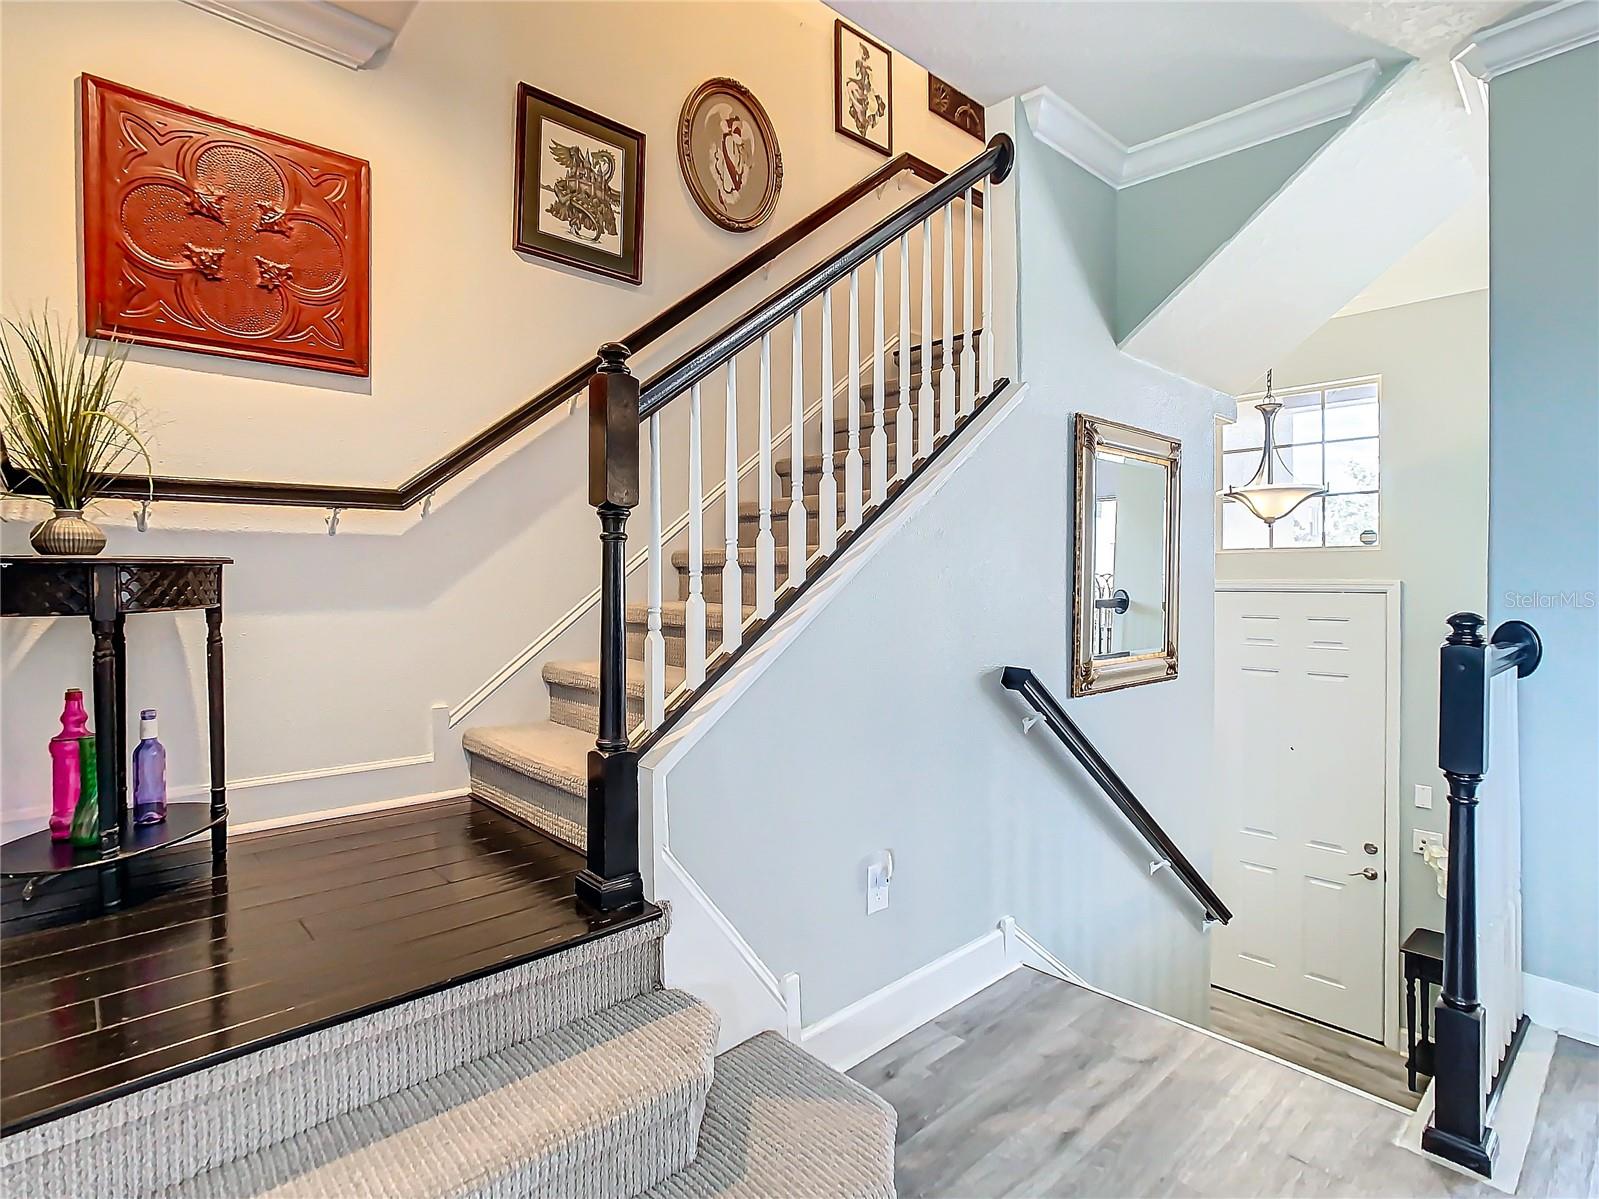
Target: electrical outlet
[879,871]
[1422,838]
[1423,795]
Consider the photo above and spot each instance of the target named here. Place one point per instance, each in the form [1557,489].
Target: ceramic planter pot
[67,533]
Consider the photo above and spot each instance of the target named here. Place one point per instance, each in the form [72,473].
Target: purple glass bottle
[65,780]
[149,774]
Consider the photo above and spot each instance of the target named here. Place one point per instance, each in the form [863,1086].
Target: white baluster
[985,357]
[796,458]
[852,404]
[946,372]
[924,394]
[827,489]
[765,546]
[904,430]
[879,434]
[732,577]
[968,376]
[694,605]
[654,643]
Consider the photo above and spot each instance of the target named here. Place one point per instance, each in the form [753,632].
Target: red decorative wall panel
[204,235]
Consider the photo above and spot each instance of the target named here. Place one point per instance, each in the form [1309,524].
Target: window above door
[1326,433]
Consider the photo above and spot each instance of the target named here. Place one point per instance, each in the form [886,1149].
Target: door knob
[1368,874]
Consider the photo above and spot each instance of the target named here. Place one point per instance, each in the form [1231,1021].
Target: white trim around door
[1390,589]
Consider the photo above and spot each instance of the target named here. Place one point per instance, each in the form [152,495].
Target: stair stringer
[704,953]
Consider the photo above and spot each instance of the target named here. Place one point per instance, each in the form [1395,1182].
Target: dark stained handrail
[430,478]
[994,164]
[1026,684]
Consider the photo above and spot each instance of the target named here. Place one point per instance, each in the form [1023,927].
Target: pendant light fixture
[1271,493]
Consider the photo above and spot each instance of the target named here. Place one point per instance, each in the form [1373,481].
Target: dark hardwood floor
[309,926]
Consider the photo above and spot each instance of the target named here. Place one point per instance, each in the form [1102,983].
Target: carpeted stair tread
[715,557]
[605,1106]
[780,1123]
[549,752]
[584,675]
[674,613]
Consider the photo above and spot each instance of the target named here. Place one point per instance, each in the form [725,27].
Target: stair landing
[310,926]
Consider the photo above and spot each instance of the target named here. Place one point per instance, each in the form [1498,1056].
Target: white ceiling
[1451,260]
[1137,68]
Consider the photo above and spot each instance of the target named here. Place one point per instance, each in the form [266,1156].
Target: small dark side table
[1423,958]
[107,590]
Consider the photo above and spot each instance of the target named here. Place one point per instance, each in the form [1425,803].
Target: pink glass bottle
[65,779]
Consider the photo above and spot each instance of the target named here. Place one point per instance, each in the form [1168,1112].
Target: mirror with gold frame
[1124,611]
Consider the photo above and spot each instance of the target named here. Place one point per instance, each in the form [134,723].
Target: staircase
[576,1075]
[537,773]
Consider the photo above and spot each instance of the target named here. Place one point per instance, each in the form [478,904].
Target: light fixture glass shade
[1271,495]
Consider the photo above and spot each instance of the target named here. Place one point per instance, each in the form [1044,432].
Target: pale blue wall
[1168,227]
[1543,532]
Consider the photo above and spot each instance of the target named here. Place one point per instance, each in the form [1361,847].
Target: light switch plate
[1423,795]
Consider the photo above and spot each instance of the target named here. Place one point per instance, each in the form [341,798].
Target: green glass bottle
[86,817]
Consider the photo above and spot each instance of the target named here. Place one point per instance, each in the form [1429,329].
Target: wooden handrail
[994,164]
[426,481]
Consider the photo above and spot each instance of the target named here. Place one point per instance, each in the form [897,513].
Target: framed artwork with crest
[863,89]
[579,187]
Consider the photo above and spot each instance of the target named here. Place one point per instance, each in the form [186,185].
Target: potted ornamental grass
[65,425]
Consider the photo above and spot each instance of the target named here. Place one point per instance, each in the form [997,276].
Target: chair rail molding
[1062,127]
[1544,33]
[315,26]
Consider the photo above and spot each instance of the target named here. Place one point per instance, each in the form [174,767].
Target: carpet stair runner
[537,772]
[576,1076]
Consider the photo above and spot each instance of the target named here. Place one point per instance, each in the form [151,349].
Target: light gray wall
[909,741]
[1167,228]
[1543,537]
[1433,359]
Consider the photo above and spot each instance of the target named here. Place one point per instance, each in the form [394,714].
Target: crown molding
[1063,128]
[1544,33]
[316,26]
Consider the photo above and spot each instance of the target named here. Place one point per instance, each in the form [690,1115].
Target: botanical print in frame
[729,156]
[863,81]
[579,187]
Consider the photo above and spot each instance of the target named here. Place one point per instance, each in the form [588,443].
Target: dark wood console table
[107,590]
[1423,957]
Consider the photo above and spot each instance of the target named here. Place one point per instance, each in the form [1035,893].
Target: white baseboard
[852,1034]
[1566,1009]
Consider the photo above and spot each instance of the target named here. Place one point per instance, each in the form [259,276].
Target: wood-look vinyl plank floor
[1365,1065]
[1036,1087]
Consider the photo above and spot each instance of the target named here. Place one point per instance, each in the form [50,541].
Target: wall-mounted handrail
[426,481]
[1026,684]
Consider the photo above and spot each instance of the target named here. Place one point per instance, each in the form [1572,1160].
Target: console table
[1423,958]
[107,590]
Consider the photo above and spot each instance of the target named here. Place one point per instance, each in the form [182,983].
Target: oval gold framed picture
[728,152]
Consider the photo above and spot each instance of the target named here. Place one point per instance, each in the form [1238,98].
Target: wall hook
[142,520]
[333,522]
[1158,865]
[427,505]
[1028,722]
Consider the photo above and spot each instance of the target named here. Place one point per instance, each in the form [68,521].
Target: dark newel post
[1459,1128]
[611,879]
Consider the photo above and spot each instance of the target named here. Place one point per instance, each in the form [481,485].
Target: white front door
[1301,731]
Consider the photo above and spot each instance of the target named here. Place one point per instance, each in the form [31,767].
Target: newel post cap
[1466,629]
